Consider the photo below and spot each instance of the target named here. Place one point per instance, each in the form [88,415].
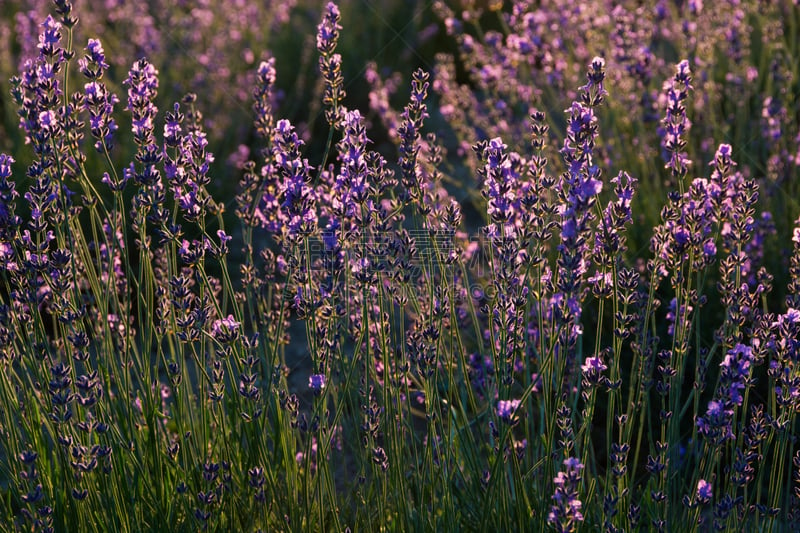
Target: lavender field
[447,265]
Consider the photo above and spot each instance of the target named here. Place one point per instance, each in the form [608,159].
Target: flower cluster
[735,376]
[474,319]
[676,124]
[99,102]
[295,199]
[330,63]
[506,410]
[565,514]
[409,133]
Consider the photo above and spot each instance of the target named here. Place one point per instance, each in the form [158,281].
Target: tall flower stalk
[367,341]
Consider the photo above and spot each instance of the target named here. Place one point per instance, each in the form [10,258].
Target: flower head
[317,382]
[566,509]
[142,85]
[93,63]
[704,492]
[506,410]
[593,369]
[330,63]
[226,330]
[328,29]
[51,35]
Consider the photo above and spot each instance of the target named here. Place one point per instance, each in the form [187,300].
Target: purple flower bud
[715,425]
[593,369]
[709,248]
[328,29]
[796,235]
[51,35]
[566,509]
[93,63]
[330,64]
[96,52]
[676,124]
[142,85]
[226,330]
[506,410]
[28,457]
[5,166]
[704,493]
[316,382]
[48,120]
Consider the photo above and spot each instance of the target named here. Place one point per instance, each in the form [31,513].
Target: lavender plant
[352,349]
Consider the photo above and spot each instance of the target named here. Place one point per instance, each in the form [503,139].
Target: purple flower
[8,193]
[506,410]
[224,239]
[142,85]
[676,124]
[735,372]
[263,96]
[501,189]
[225,330]
[51,35]
[691,219]
[566,509]
[188,173]
[409,133]
[172,126]
[316,382]
[48,120]
[709,248]
[300,457]
[609,238]
[773,113]
[93,63]
[351,189]
[296,201]
[380,458]
[704,492]
[5,166]
[792,316]
[594,91]
[99,102]
[330,64]
[715,425]
[593,369]
[96,52]
[328,29]
[678,318]
[580,185]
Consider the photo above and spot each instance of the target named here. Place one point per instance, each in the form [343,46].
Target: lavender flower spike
[328,29]
[676,124]
[330,64]
[566,510]
[98,100]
